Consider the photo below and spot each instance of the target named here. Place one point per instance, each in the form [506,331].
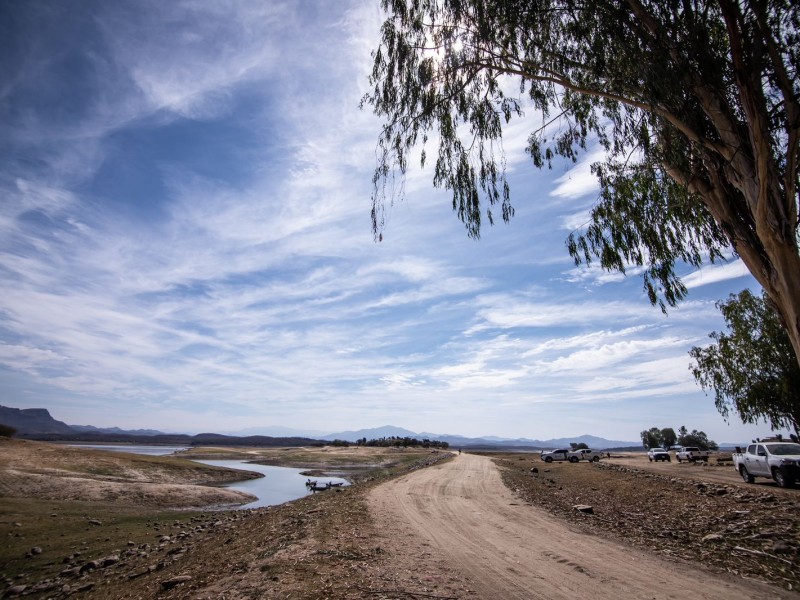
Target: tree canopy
[651,438]
[751,368]
[666,438]
[695,438]
[696,102]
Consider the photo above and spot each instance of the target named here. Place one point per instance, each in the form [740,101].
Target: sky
[186,245]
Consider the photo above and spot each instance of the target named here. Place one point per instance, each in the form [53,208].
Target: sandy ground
[490,545]
[60,472]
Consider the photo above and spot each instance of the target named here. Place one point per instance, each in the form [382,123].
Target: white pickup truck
[776,460]
[658,454]
[584,454]
[692,454]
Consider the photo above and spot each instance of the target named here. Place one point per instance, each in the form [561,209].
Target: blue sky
[185,244]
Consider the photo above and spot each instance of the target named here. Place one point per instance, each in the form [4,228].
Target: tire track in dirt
[462,514]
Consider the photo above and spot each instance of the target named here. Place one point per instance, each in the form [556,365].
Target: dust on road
[494,546]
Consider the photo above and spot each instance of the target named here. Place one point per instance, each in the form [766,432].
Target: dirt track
[502,548]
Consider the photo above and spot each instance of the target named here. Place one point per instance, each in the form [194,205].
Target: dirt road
[497,547]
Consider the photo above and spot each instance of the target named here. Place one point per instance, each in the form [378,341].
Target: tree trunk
[782,283]
[760,231]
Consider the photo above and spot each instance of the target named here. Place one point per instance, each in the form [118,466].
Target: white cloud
[716,273]
[579,181]
[240,283]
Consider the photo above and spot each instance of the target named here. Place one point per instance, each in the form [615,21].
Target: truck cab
[775,460]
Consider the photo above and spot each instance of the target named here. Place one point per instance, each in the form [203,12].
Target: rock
[15,590]
[172,582]
[713,537]
[584,508]
[107,561]
[95,522]
[92,564]
[35,550]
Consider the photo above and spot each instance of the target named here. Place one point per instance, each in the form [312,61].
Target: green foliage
[696,103]
[696,438]
[668,437]
[751,368]
[651,438]
[7,431]
[404,442]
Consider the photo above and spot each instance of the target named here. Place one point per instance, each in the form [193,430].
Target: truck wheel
[669,459]
[596,459]
[650,459]
[573,459]
[548,459]
[679,459]
[705,459]
[782,479]
[745,475]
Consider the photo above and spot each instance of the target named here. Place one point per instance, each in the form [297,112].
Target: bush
[7,431]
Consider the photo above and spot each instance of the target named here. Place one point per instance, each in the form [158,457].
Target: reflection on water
[279,484]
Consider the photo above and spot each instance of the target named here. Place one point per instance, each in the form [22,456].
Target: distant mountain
[375,433]
[32,420]
[486,442]
[36,422]
[115,430]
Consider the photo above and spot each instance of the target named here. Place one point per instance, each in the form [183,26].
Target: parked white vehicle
[551,455]
[658,454]
[692,454]
[584,454]
[775,460]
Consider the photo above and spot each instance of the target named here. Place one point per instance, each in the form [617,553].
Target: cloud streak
[186,240]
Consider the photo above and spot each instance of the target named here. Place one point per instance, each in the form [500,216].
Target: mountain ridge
[38,422]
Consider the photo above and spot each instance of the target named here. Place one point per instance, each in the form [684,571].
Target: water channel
[279,484]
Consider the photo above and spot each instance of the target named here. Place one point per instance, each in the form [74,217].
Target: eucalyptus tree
[751,367]
[696,103]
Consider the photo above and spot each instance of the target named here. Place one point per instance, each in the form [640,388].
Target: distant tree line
[667,438]
[402,442]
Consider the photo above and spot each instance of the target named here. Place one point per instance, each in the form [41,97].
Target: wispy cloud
[185,239]
[710,274]
[578,181]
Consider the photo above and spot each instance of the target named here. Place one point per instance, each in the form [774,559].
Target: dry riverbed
[338,545]
[104,524]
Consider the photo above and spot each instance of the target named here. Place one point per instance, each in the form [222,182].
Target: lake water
[279,484]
